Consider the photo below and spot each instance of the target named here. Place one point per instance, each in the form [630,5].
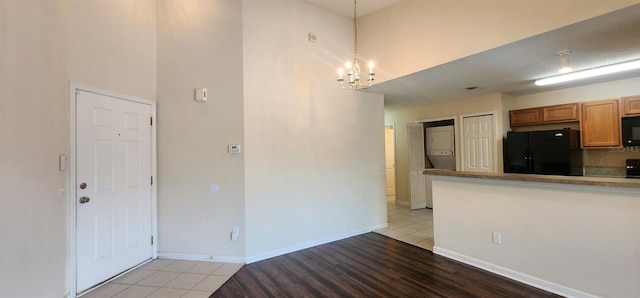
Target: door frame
[71,185]
[497,141]
[395,168]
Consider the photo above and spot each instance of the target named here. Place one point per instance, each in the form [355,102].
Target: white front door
[417,187]
[114,194]
[478,144]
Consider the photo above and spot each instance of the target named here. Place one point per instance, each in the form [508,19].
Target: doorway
[390,162]
[112,193]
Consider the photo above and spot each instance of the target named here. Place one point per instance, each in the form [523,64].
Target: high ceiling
[512,68]
[345,7]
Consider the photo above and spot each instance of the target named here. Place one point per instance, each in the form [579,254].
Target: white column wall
[200,45]
[314,154]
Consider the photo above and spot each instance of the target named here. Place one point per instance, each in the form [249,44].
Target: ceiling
[345,7]
[512,68]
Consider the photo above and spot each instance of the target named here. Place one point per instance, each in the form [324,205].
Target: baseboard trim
[196,257]
[290,249]
[508,273]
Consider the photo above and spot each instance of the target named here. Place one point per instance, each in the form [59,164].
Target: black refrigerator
[549,152]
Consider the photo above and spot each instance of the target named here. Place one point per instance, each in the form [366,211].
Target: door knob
[84,200]
[83,185]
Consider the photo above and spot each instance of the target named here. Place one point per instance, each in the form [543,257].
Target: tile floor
[411,226]
[168,278]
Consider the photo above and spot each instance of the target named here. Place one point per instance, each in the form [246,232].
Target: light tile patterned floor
[168,278]
[411,226]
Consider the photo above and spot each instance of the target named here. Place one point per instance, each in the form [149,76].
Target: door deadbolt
[84,200]
[83,185]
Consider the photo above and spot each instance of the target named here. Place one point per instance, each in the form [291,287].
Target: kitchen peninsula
[575,236]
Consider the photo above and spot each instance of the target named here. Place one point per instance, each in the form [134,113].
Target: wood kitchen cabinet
[600,124]
[631,105]
[561,113]
[549,114]
[524,117]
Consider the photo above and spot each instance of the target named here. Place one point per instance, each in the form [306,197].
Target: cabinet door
[600,124]
[524,117]
[631,105]
[560,113]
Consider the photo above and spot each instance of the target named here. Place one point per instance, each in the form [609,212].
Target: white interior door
[389,144]
[478,144]
[416,166]
[114,194]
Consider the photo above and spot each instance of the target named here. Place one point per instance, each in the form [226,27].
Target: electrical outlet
[496,237]
[599,162]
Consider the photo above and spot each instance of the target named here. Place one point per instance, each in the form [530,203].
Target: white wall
[414,35]
[312,150]
[46,44]
[112,45]
[200,45]
[573,239]
[33,132]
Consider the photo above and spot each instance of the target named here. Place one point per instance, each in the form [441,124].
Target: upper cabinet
[524,117]
[561,113]
[600,124]
[631,105]
[549,114]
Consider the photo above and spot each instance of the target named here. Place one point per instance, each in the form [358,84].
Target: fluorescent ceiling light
[583,74]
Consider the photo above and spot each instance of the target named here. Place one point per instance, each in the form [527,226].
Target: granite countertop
[575,180]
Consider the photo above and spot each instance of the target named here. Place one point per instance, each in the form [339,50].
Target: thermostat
[234,149]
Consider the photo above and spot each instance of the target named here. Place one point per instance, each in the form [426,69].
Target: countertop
[574,180]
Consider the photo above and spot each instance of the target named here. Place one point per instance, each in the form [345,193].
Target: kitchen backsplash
[608,162]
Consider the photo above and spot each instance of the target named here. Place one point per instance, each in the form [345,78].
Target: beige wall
[445,109]
[314,154]
[34,105]
[414,35]
[112,45]
[575,240]
[200,45]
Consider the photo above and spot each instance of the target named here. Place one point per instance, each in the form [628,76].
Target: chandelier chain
[355,30]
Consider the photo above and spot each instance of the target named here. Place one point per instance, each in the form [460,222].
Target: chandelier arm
[353,73]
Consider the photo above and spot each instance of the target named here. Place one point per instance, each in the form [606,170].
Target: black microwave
[631,131]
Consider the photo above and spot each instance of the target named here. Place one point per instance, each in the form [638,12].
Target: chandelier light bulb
[354,79]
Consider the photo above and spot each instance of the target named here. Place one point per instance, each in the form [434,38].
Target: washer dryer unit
[441,147]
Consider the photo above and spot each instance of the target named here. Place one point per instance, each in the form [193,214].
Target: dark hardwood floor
[369,265]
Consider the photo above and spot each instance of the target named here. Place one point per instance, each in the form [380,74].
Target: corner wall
[314,154]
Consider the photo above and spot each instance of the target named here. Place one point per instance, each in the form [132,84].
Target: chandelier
[353,79]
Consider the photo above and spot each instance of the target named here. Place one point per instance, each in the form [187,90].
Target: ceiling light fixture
[565,66]
[353,68]
[593,72]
